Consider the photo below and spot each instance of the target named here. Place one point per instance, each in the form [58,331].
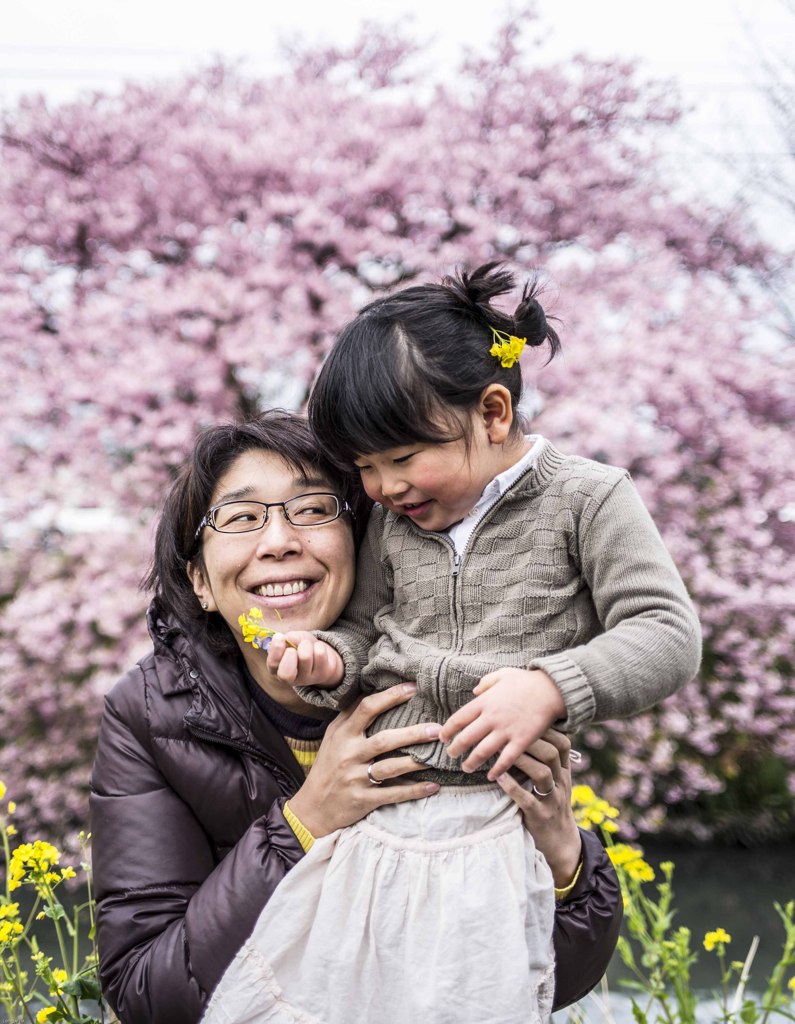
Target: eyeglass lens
[303,510]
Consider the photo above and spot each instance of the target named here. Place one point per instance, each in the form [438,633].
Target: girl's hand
[549,818]
[300,659]
[337,791]
[511,709]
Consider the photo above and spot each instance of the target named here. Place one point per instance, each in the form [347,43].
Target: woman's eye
[242,517]
[404,458]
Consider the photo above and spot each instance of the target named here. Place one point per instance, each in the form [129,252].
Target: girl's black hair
[214,451]
[400,371]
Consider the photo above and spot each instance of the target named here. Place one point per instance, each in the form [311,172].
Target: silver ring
[538,792]
[373,782]
[575,756]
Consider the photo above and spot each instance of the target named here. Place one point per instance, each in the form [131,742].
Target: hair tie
[507,347]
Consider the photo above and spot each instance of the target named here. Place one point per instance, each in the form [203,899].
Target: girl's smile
[437,485]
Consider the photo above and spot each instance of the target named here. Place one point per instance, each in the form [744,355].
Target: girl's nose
[278,537]
[392,485]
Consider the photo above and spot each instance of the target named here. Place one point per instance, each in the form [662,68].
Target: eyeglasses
[247,516]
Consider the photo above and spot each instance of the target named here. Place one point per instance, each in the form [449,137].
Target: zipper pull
[456,564]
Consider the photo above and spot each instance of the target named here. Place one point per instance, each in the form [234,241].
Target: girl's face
[306,573]
[435,485]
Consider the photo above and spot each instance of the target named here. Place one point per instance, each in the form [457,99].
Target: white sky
[710,47]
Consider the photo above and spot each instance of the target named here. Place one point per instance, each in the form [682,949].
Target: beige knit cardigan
[565,572]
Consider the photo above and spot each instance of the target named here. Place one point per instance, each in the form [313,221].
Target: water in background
[732,888]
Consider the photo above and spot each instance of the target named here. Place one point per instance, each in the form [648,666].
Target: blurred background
[192,203]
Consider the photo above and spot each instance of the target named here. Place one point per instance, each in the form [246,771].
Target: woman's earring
[205,606]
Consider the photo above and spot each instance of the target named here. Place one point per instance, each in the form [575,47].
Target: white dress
[437,910]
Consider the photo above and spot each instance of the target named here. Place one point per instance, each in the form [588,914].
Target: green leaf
[55,912]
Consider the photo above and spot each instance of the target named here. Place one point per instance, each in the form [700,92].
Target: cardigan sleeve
[357,630]
[169,917]
[651,644]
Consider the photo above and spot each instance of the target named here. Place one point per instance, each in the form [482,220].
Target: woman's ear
[201,588]
[496,408]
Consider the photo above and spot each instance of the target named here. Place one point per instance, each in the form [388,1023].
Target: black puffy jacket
[189,840]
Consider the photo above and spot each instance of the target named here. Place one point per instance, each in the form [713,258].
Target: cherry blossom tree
[181,254]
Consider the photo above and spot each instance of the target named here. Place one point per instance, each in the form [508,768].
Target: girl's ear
[496,409]
[201,588]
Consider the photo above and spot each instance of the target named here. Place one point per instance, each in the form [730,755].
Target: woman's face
[305,573]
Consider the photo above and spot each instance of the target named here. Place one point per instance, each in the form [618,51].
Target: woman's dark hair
[215,450]
[399,371]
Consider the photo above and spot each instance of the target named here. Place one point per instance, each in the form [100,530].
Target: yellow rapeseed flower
[60,977]
[9,930]
[9,910]
[44,1015]
[68,873]
[590,809]
[791,984]
[2,790]
[717,938]
[630,860]
[12,806]
[11,830]
[507,348]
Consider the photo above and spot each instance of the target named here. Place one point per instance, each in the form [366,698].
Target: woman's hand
[338,791]
[545,803]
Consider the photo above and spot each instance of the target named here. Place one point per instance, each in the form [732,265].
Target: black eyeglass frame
[208,519]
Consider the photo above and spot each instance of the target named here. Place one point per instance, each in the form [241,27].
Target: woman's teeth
[281,589]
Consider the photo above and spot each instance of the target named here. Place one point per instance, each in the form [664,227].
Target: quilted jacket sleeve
[170,919]
[587,925]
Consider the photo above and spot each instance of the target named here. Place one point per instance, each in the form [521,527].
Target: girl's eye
[404,458]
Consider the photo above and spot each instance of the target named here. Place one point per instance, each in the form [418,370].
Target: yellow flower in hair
[507,348]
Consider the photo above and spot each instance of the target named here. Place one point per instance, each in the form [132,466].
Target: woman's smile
[305,573]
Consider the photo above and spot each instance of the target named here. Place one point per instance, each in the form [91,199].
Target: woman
[199,766]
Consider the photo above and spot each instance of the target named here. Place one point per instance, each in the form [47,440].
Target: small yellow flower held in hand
[720,937]
[255,633]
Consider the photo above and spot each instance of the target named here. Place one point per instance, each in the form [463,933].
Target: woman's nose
[278,536]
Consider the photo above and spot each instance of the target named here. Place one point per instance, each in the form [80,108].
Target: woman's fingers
[541,775]
[394,767]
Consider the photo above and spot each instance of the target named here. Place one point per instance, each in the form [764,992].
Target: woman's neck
[277,689]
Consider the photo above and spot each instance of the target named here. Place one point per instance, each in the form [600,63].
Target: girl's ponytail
[474,290]
[406,368]
[530,321]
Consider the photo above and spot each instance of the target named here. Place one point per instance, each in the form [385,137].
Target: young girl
[517,587]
